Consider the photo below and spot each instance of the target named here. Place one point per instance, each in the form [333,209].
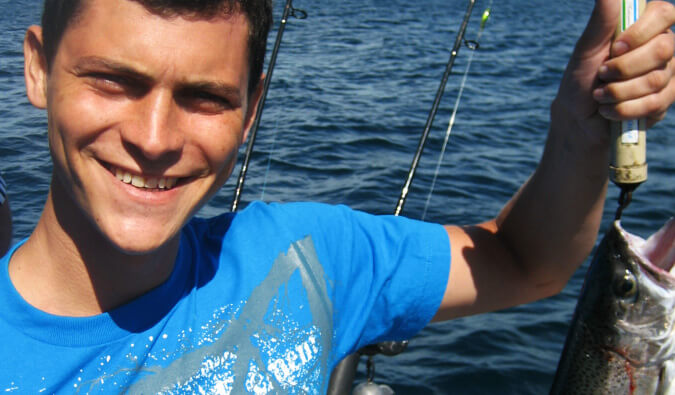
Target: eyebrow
[216,87]
[93,62]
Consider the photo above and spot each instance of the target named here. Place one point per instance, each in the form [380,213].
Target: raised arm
[542,235]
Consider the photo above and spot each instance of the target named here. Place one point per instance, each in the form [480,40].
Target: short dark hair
[57,15]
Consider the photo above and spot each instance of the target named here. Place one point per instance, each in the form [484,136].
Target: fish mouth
[657,253]
[624,355]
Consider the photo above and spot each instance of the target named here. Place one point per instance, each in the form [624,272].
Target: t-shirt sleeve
[387,274]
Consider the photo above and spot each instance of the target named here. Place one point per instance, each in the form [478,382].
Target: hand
[629,78]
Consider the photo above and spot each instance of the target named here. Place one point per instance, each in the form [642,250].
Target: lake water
[349,98]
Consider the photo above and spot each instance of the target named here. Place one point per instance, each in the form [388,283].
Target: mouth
[658,251]
[143,182]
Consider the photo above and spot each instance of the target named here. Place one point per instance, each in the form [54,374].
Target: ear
[35,67]
[252,108]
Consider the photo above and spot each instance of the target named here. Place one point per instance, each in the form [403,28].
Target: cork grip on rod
[628,157]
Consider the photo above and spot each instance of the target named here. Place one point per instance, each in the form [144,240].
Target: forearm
[551,224]
[539,238]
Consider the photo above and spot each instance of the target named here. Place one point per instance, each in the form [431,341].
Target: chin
[139,240]
[136,248]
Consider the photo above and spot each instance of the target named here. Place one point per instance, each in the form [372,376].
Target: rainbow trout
[622,337]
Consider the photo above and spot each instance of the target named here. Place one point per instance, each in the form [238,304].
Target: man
[5,219]
[119,290]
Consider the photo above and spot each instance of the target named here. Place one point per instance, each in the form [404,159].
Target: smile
[144,182]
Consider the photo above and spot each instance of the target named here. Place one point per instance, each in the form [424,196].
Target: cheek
[76,117]
[219,141]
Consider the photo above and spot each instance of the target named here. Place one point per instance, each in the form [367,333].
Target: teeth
[143,182]
[138,181]
[151,183]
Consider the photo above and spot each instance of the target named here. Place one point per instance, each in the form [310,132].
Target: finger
[599,30]
[658,17]
[652,82]
[591,50]
[650,106]
[655,54]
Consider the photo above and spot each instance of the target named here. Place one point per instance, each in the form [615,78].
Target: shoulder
[296,218]
[269,226]
[260,215]
[336,231]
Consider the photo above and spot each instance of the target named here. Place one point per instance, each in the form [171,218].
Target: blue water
[350,95]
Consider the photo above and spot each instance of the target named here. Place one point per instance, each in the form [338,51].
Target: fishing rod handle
[628,153]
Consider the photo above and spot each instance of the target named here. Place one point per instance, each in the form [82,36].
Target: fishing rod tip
[484,19]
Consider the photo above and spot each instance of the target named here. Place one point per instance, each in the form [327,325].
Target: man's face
[145,117]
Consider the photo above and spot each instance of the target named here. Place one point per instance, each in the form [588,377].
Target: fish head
[635,295]
[621,340]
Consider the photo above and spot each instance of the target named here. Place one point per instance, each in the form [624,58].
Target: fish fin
[667,379]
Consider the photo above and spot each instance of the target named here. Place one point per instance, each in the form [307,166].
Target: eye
[625,285]
[203,101]
[116,84]
[107,80]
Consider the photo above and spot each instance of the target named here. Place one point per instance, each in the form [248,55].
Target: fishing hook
[624,200]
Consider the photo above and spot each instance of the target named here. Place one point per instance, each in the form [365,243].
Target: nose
[154,132]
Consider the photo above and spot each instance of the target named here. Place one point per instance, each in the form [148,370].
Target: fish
[622,336]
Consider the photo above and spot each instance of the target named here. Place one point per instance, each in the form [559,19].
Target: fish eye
[626,286]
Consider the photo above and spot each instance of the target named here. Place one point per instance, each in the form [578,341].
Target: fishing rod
[289,10]
[434,108]
[342,377]
[473,45]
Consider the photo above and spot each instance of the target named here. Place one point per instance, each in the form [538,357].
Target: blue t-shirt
[267,300]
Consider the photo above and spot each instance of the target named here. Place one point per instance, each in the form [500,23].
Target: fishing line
[473,45]
[269,157]
[434,109]
[288,11]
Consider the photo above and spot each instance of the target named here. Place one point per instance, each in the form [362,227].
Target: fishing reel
[389,348]
[370,387]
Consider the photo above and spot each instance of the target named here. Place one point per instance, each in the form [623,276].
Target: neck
[68,268]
